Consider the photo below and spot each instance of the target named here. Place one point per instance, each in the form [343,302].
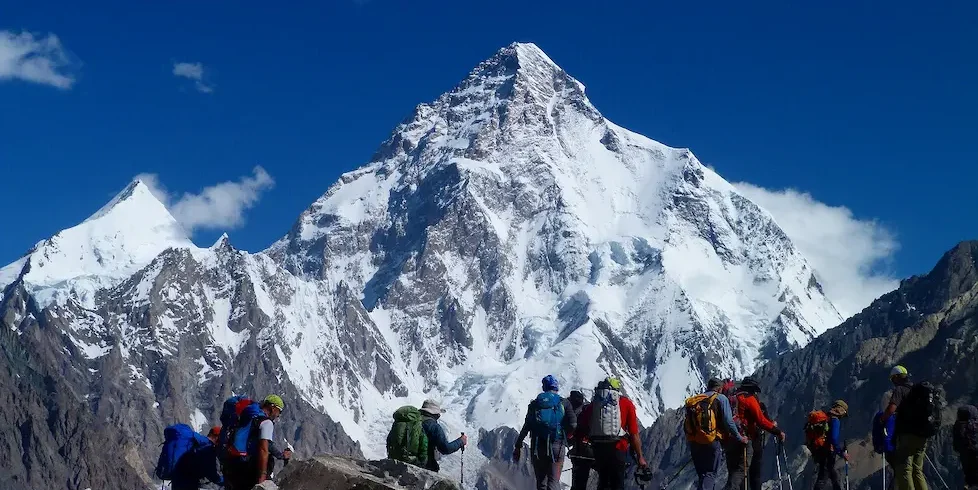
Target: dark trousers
[241,475]
[580,472]
[828,476]
[756,459]
[185,485]
[706,461]
[969,465]
[547,466]
[737,458]
[610,465]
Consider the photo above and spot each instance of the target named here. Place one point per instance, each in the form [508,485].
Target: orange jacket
[749,416]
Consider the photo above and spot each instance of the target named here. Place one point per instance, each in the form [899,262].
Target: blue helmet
[550,383]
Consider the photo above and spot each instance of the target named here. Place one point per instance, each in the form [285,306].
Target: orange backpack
[817,429]
[701,423]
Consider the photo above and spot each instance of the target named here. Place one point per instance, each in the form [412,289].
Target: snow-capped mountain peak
[507,230]
[109,246]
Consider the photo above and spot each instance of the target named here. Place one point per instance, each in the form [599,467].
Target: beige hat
[431,407]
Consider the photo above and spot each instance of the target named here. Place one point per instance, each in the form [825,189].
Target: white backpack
[606,416]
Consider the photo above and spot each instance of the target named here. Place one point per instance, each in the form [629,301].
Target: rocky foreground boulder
[339,473]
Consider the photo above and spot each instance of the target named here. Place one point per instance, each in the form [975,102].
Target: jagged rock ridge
[929,325]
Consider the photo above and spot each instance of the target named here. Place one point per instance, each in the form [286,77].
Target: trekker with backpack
[965,440]
[435,434]
[581,454]
[249,442]
[823,439]
[406,440]
[704,431]
[610,422]
[750,421]
[549,421]
[917,409]
[187,457]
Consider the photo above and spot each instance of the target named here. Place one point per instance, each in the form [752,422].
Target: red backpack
[817,429]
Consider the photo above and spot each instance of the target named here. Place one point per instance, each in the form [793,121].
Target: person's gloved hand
[516,453]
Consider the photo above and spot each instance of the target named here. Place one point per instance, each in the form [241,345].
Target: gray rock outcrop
[341,473]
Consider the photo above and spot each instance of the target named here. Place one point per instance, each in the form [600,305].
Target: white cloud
[849,255]
[195,72]
[34,59]
[221,206]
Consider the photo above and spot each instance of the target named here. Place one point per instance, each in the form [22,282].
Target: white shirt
[265,430]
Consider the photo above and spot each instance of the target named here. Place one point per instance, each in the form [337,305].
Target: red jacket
[749,416]
[629,422]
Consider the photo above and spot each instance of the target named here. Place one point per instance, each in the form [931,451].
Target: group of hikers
[730,422]
[726,422]
[599,435]
[238,454]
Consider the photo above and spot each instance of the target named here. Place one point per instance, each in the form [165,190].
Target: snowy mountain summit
[508,230]
[503,232]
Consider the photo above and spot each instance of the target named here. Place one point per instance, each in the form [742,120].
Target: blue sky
[870,107]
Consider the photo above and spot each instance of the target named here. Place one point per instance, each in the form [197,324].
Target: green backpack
[407,441]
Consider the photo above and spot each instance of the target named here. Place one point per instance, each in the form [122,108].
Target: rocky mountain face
[108,360]
[503,232]
[929,325]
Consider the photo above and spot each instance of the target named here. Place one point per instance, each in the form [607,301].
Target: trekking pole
[932,465]
[787,469]
[676,475]
[746,470]
[777,459]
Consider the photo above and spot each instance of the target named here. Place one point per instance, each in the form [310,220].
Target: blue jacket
[201,463]
[726,413]
[833,438]
[437,439]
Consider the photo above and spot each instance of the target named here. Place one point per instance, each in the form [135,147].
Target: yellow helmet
[275,401]
[899,372]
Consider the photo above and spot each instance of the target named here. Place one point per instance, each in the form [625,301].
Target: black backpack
[965,434]
[920,412]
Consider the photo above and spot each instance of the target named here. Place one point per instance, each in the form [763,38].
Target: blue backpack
[548,418]
[244,434]
[180,442]
[883,434]
[229,419]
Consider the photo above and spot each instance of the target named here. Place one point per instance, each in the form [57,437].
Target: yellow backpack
[701,423]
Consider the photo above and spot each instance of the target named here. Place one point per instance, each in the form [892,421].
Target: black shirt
[900,393]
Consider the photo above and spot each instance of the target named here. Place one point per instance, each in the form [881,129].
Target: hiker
[709,421]
[750,421]
[965,439]
[435,433]
[610,422]
[549,420]
[249,443]
[917,419]
[754,469]
[186,457]
[823,438]
[580,453]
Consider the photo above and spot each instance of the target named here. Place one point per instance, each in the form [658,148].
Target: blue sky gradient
[870,106]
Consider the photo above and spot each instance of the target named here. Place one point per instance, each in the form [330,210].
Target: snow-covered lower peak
[112,244]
